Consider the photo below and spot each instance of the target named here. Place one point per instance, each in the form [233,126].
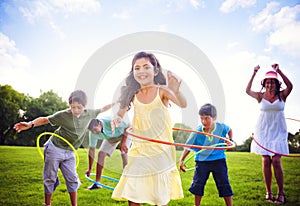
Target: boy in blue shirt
[100,129]
[209,160]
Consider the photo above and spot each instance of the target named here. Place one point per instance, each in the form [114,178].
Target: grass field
[21,181]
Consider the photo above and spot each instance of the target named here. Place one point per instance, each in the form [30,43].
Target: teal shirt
[106,131]
[71,128]
[203,140]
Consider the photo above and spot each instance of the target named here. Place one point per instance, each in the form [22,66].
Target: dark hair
[93,123]
[208,109]
[278,86]
[132,86]
[78,96]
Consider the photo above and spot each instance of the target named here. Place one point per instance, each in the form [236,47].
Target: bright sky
[45,44]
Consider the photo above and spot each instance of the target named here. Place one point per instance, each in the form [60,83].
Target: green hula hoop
[60,137]
[195,153]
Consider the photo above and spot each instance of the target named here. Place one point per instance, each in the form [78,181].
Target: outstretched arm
[108,106]
[288,83]
[28,125]
[255,95]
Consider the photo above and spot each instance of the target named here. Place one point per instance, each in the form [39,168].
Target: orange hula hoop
[285,155]
[292,119]
[227,141]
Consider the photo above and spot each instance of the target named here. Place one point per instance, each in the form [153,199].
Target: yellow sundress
[151,175]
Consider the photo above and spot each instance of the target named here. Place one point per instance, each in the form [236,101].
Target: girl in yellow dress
[151,175]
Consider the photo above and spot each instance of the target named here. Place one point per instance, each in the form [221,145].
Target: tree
[16,107]
[46,104]
[294,142]
[245,147]
[180,136]
[11,107]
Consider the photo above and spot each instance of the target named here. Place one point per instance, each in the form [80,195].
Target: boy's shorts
[55,158]
[219,170]
[109,145]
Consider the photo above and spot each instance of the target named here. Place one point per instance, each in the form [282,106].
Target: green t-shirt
[71,128]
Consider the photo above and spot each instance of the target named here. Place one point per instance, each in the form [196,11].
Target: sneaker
[94,186]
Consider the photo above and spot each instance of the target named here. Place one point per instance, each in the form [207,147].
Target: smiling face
[270,84]
[144,72]
[97,129]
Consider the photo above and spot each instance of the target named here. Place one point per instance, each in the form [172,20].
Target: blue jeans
[219,170]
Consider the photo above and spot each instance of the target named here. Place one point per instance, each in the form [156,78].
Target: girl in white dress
[271,131]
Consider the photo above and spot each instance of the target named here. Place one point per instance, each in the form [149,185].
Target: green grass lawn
[21,180]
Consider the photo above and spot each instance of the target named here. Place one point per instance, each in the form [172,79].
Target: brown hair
[132,86]
[93,123]
[78,96]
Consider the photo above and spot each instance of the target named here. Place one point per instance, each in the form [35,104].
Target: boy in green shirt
[72,124]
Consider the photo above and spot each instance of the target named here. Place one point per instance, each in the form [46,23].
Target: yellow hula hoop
[60,137]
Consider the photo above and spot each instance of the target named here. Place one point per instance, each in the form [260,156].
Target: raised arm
[28,125]
[174,94]
[255,95]
[287,82]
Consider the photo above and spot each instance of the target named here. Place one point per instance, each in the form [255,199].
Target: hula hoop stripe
[252,136]
[60,137]
[229,143]
[196,153]
[98,183]
[271,150]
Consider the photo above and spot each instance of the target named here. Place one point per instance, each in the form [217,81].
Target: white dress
[271,130]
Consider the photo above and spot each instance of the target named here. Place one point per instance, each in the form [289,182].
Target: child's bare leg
[133,203]
[73,197]
[48,199]
[197,200]
[228,200]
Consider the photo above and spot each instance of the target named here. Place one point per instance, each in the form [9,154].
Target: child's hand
[22,126]
[88,172]
[124,148]
[173,82]
[182,166]
[115,123]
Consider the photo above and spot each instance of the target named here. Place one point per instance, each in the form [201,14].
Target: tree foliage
[17,107]
[180,136]
[294,142]
[11,104]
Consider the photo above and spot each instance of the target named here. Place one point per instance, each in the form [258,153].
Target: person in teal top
[100,129]
[72,124]
[209,161]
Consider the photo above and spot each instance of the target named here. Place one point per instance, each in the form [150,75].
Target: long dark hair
[278,86]
[132,86]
